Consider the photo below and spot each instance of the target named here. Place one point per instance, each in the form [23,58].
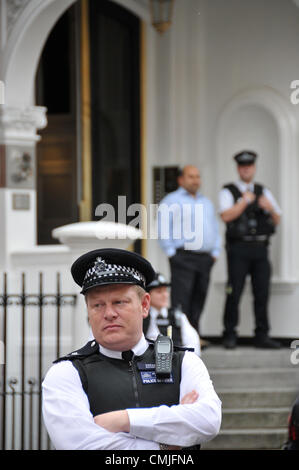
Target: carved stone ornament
[14,9]
[21,124]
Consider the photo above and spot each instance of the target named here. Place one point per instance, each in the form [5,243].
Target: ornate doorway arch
[27,31]
[26,38]
[267,99]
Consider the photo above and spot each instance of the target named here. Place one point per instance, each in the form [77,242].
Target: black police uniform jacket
[253,222]
[113,384]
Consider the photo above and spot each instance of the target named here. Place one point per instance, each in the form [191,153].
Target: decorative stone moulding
[21,124]
[14,9]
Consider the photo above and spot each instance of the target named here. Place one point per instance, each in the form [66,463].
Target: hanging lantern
[161,13]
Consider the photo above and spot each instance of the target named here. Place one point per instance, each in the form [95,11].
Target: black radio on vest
[163,356]
[254,223]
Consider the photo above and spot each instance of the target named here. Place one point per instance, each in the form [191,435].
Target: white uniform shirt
[71,426]
[190,338]
[226,199]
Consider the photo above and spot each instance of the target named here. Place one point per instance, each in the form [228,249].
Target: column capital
[18,126]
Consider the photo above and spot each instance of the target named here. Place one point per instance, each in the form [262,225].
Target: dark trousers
[190,276]
[247,259]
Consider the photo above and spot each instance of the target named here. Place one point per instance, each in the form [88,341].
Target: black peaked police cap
[246,157]
[111,266]
[159,281]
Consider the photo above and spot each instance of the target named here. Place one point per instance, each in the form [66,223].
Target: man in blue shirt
[189,235]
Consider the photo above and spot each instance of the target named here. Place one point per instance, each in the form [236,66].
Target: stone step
[257,389]
[246,357]
[248,439]
[255,418]
[257,398]
[254,377]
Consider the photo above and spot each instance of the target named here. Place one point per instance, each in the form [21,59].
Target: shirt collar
[245,186]
[138,349]
[184,191]
[163,312]
[154,312]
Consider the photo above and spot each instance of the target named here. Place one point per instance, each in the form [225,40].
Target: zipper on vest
[132,369]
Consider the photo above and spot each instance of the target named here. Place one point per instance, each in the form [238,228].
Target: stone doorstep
[257,389]
[256,378]
[257,398]
[255,418]
[246,357]
[251,439]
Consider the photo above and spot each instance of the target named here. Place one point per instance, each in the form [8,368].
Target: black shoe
[230,342]
[267,343]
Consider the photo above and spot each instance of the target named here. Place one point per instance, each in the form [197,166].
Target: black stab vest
[113,384]
[253,223]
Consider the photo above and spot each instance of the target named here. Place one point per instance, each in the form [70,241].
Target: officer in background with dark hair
[251,214]
[110,394]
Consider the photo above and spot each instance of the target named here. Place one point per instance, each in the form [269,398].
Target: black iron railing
[21,408]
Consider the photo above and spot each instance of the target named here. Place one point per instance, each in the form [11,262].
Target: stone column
[18,137]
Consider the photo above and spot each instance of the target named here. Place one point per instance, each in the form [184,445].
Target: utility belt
[193,252]
[255,238]
[260,239]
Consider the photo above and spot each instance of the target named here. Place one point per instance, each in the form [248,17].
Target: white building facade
[220,79]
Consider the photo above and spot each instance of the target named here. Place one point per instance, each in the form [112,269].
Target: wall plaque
[21,202]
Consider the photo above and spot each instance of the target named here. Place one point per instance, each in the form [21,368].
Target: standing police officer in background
[161,316]
[107,395]
[251,214]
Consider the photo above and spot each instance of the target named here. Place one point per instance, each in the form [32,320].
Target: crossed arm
[70,424]
[118,421]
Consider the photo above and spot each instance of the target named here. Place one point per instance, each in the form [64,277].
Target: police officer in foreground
[251,214]
[161,317]
[111,394]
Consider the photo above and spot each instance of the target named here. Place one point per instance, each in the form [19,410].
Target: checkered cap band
[103,273]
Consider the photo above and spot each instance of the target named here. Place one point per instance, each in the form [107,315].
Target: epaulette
[90,348]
